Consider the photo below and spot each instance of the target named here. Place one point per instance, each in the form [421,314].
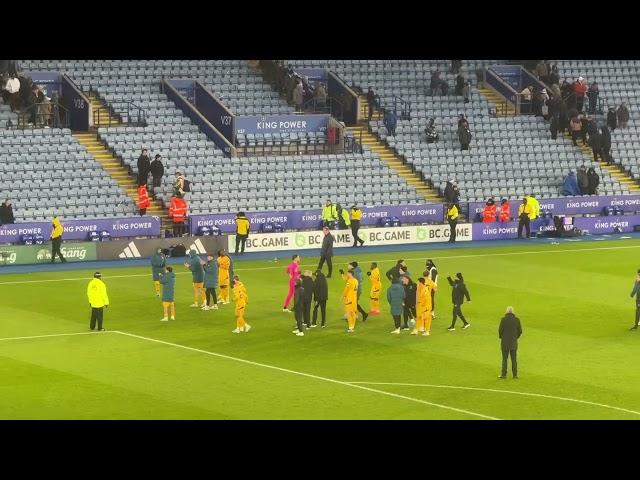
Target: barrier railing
[44,114]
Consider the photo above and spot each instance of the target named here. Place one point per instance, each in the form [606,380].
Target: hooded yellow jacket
[97,293]
[57,228]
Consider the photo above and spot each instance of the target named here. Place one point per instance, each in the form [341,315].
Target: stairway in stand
[111,164]
[101,115]
[503,108]
[615,171]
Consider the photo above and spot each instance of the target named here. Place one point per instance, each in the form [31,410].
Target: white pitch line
[52,335]
[308,375]
[283,266]
[495,390]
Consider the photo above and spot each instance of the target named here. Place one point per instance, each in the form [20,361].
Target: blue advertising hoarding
[280,124]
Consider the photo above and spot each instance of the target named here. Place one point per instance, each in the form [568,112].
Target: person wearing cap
[56,240]
[168,282]
[158,262]
[636,293]
[197,275]
[157,172]
[356,216]
[329,214]
[524,214]
[509,331]
[458,294]
[505,210]
[98,300]
[210,269]
[241,297]
[144,166]
[580,89]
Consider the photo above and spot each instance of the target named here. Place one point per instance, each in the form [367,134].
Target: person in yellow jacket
[452,218]
[376,286]
[224,263]
[242,231]
[524,214]
[98,300]
[423,306]
[241,298]
[356,216]
[329,214]
[535,207]
[350,299]
[344,222]
[56,240]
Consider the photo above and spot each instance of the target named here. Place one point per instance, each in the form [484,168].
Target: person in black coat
[320,297]
[554,126]
[298,308]
[458,294]
[605,136]
[612,119]
[394,272]
[6,213]
[157,171]
[594,181]
[595,140]
[307,285]
[144,166]
[509,332]
[432,272]
[326,252]
[409,310]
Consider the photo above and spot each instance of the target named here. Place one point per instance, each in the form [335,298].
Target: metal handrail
[333,105]
[50,119]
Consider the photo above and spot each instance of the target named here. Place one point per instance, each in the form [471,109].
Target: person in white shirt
[13,87]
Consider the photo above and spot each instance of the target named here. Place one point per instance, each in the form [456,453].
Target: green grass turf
[573,300]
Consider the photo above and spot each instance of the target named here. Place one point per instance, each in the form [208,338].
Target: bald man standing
[509,332]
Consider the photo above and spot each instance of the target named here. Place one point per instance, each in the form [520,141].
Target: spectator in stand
[505,210]
[371,102]
[144,166]
[524,214]
[178,213]
[451,192]
[444,87]
[595,141]
[455,66]
[435,84]
[554,126]
[612,119]
[6,213]
[298,96]
[13,89]
[594,181]
[623,115]
[460,82]
[31,102]
[585,127]
[489,212]
[390,122]
[580,89]
[466,91]
[462,120]
[544,103]
[592,95]
[464,136]
[432,135]
[566,90]
[575,126]
[157,172]
[321,95]
[563,119]
[571,184]
[525,99]
[583,180]
[178,187]
[554,76]
[606,144]
[143,199]
[542,71]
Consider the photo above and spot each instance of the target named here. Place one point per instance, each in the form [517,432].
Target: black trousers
[56,243]
[524,223]
[142,211]
[299,321]
[361,310]
[452,226]
[433,300]
[306,312]
[396,320]
[96,316]
[322,305]
[574,136]
[506,353]
[407,313]
[323,259]
[241,240]
[579,103]
[597,152]
[637,314]
[355,226]
[457,313]
[211,292]
[179,229]
[142,179]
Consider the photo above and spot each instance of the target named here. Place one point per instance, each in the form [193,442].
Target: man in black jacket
[144,166]
[509,332]
[6,213]
[458,294]
[307,285]
[298,308]
[409,310]
[157,171]
[320,297]
[326,253]
[636,293]
[394,272]
[433,273]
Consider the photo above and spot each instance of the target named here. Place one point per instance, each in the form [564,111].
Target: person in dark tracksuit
[396,298]
[394,272]
[433,273]
[320,297]
[326,252]
[210,282]
[307,298]
[409,310]
[636,293]
[298,308]
[509,332]
[458,294]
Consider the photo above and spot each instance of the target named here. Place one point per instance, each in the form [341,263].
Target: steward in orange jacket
[489,212]
[505,211]
[143,199]
[178,214]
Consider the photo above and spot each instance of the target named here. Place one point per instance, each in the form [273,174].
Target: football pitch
[577,357]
